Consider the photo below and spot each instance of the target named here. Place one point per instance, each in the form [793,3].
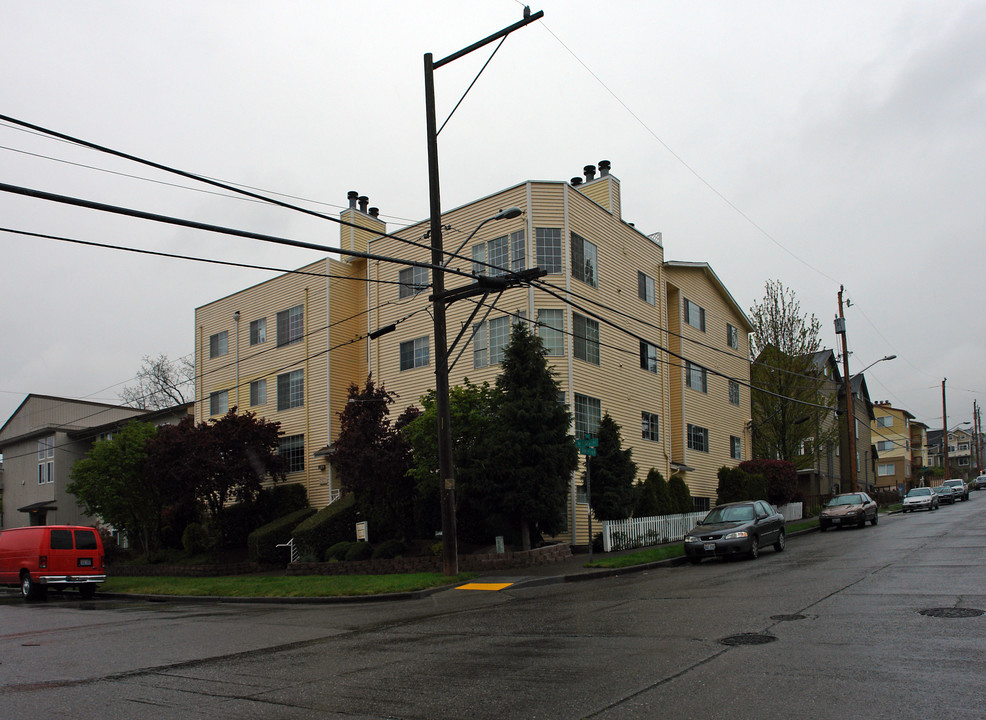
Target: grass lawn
[281,585]
[653,554]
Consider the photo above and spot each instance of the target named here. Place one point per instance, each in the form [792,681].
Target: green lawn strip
[662,552]
[801,525]
[280,585]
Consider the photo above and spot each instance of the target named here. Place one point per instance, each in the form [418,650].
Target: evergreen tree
[652,496]
[613,473]
[533,454]
[681,498]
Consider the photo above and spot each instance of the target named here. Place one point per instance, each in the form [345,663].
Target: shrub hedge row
[330,525]
[262,542]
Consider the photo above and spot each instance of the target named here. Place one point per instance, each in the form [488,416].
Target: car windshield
[846,500]
[730,513]
[943,489]
[917,492]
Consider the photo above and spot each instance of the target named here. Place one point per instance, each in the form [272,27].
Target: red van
[52,556]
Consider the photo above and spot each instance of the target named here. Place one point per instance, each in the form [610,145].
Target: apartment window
[291,390]
[499,338]
[648,357]
[734,392]
[646,290]
[698,438]
[885,421]
[292,448]
[414,353]
[650,426]
[735,447]
[412,281]
[290,325]
[695,315]
[46,448]
[701,504]
[696,377]
[551,328]
[258,331]
[732,337]
[518,251]
[963,460]
[46,451]
[480,346]
[808,446]
[584,261]
[588,414]
[885,469]
[219,344]
[504,254]
[885,445]
[547,246]
[963,447]
[219,402]
[258,392]
[586,340]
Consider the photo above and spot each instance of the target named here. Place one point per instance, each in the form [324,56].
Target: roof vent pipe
[590,172]
[603,168]
[374,212]
[363,202]
[576,180]
[352,198]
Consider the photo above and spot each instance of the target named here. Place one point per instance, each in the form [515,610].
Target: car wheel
[87,591]
[876,518]
[862,521]
[754,548]
[30,590]
[822,528]
[694,560]
[779,545]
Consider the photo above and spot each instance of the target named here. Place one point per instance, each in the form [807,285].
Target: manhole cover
[787,618]
[952,612]
[748,639]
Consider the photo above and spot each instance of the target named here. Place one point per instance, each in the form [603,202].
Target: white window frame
[416,351]
[291,390]
[258,331]
[219,344]
[551,329]
[585,260]
[650,426]
[586,343]
[548,250]
[694,315]
[218,402]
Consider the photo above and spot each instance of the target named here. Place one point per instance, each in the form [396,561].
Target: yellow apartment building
[660,346]
[891,431]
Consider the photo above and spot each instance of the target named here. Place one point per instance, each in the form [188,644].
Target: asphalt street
[878,622]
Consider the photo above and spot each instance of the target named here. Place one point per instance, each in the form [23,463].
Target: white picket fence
[637,532]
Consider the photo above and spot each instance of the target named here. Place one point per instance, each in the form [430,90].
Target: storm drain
[748,639]
[787,618]
[951,612]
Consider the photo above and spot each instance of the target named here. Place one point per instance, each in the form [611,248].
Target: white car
[922,498]
[959,487]
[979,483]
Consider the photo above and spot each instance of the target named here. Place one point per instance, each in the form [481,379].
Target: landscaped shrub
[681,498]
[359,551]
[263,541]
[337,551]
[389,549]
[328,526]
[280,500]
[736,485]
[195,539]
[782,478]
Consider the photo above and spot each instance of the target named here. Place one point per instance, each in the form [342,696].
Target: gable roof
[709,273]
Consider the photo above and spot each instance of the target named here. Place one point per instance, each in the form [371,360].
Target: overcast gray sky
[815,143]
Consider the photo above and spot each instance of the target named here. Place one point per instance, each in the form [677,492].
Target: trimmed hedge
[262,542]
[389,549]
[328,526]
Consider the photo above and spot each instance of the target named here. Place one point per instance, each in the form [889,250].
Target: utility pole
[944,428]
[446,469]
[850,413]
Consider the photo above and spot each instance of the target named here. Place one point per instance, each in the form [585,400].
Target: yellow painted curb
[493,587]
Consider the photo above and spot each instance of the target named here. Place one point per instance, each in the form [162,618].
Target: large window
[696,377]
[547,246]
[646,289]
[412,281]
[258,392]
[698,438]
[650,426]
[292,448]
[885,469]
[732,337]
[499,338]
[290,325]
[885,421]
[480,346]
[219,344]
[258,331]
[588,414]
[734,392]
[735,447]
[585,259]
[551,328]
[586,338]
[219,402]
[46,453]
[648,357]
[415,353]
[291,390]
[885,445]
[518,251]
[695,315]
[504,254]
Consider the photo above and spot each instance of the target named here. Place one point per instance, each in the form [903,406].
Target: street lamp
[446,471]
[885,357]
[509,214]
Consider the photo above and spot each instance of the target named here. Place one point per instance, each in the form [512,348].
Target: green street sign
[590,451]
[586,442]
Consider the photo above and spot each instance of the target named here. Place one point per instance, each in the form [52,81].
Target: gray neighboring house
[39,444]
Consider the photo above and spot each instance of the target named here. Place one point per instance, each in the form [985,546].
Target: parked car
[979,483]
[960,488]
[848,509]
[922,498]
[740,528]
[945,493]
[52,556]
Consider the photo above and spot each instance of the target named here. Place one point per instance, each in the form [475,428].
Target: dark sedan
[736,529]
[848,509]
[946,494]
